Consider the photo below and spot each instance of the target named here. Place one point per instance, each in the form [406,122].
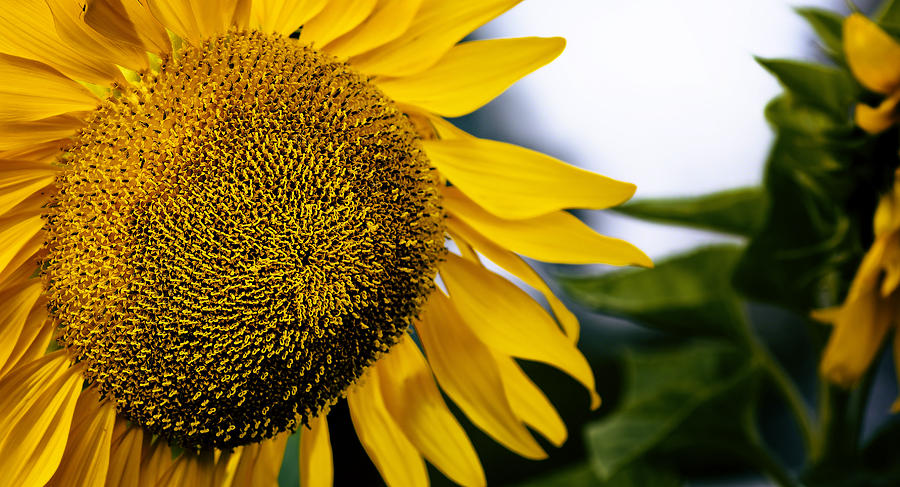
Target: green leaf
[828,88]
[737,211]
[829,27]
[687,294]
[642,474]
[667,395]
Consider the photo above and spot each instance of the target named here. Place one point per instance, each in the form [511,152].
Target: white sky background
[662,93]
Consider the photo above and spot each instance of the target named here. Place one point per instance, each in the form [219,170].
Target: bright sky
[662,93]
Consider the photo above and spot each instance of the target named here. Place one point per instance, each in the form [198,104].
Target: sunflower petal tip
[644,260]
[561,44]
[596,401]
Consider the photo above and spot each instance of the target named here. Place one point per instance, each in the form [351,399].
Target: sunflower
[220,217]
[870,309]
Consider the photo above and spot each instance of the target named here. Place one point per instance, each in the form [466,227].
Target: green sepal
[803,256]
[829,26]
[831,89]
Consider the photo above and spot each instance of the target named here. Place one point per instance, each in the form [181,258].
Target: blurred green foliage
[806,230]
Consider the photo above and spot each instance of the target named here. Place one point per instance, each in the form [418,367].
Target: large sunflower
[214,228]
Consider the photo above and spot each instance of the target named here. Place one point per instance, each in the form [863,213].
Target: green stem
[757,454]
[789,392]
[841,418]
[825,413]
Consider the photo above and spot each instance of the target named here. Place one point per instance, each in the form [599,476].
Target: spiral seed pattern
[236,236]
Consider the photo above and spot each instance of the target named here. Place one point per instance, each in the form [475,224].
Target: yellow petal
[14,172]
[438,25]
[214,16]
[226,467]
[517,183]
[42,152]
[156,460]
[130,22]
[446,130]
[27,30]
[125,455]
[887,214]
[869,273]
[466,371]
[260,463]
[857,336]
[557,237]
[284,16]
[316,465]
[877,120]
[190,470]
[20,192]
[30,91]
[32,205]
[195,20]
[15,233]
[16,135]
[506,319]
[873,56]
[68,16]
[398,461]
[890,265]
[388,21]
[529,402]
[16,304]
[514,264]
[242,11]
[37,400]
[337,18]
[21,275]
[33,341]
[826,315]
[21,179]
[472,74]
[23,262]
[86,459]
[415,403]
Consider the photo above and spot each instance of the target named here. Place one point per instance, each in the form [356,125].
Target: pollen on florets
[237,236]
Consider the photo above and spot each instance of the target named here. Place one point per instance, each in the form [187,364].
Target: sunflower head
[235,238]
[240,207]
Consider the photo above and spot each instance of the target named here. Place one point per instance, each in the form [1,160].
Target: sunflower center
[235,238]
